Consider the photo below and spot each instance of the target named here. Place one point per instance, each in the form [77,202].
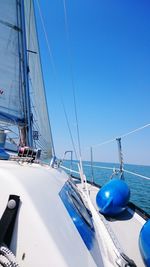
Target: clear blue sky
[110,56]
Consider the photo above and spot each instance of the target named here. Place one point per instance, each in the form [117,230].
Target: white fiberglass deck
[124,230]
[44,231]
[44,234]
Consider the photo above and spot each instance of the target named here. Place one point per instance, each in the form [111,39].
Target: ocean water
[140,188]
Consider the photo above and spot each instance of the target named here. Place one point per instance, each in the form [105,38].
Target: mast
[28,114]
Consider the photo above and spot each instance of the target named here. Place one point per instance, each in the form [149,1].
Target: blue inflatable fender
[144,243]
[113,197]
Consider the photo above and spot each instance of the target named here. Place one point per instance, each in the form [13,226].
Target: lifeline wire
[136,174]
[110,168]
[117,169]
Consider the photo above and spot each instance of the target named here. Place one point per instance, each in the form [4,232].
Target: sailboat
[49,218]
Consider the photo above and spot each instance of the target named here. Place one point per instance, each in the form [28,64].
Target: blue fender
[144,243]
[113,197]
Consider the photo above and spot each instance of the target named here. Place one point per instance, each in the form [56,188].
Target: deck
[124,230]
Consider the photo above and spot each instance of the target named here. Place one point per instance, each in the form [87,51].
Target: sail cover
[11,101]
[41,126]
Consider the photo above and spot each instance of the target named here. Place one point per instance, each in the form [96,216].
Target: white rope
[7,258]
[122,136]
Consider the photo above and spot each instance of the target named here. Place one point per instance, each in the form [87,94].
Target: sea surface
[140,187]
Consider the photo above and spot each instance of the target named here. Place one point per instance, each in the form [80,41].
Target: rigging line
[98,167]
[46,37]
[136,174]
[111,168]
[70,132]
[65,168]
[101,167]
[123,135]
[68,124]
[29,31]
[72,79]
[55,74]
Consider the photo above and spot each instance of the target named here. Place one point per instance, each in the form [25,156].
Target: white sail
[11,101]
[41,126]
[22,92]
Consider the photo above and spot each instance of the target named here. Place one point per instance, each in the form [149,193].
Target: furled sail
[22,92]
[41,126]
